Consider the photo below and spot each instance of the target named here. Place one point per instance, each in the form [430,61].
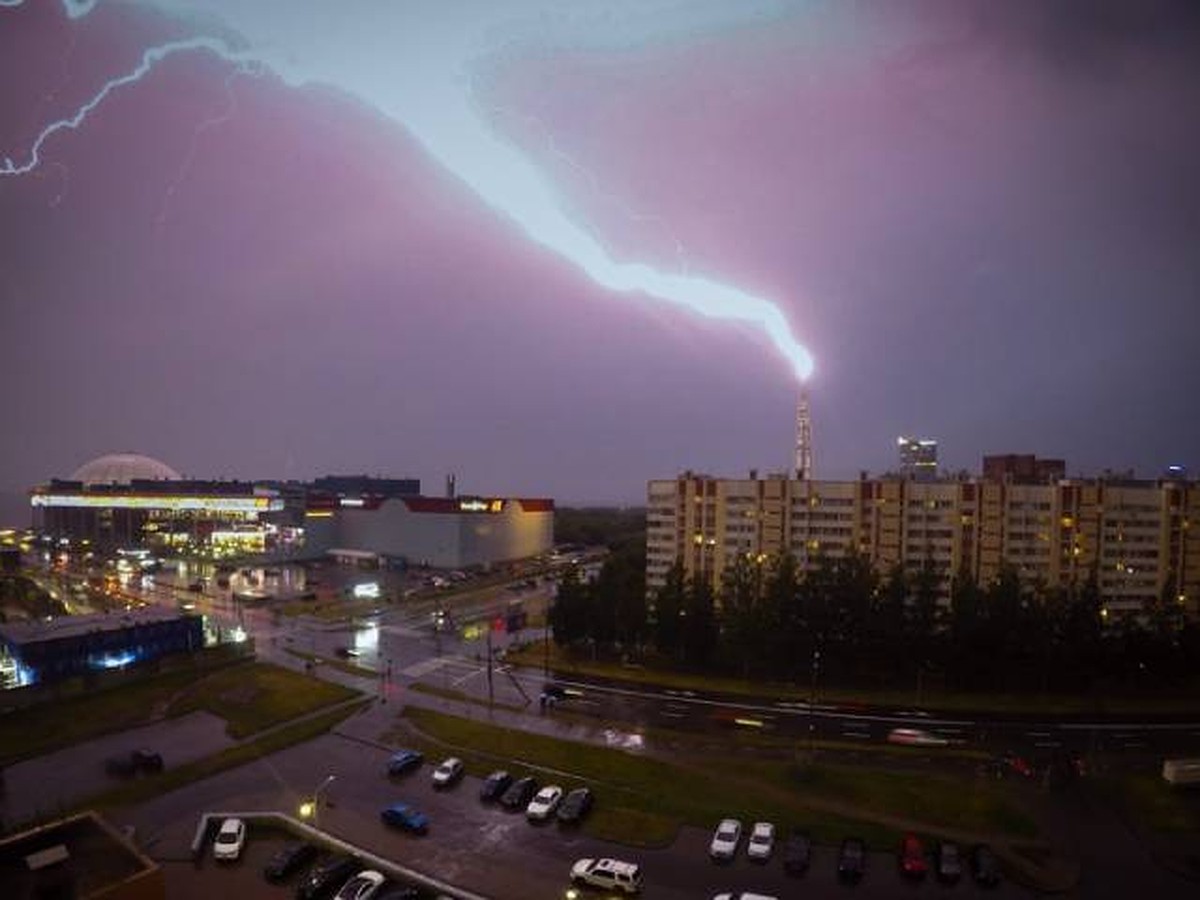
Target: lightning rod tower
[804,454]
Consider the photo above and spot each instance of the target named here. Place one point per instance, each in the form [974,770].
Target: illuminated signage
[477,505]
[155,501]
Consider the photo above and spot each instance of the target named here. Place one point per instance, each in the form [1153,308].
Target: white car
[543,805]
[448,772]
[609,874]
[230,840]
[916,737]
[725,839]
[744,895]
[363,886]
[762,841]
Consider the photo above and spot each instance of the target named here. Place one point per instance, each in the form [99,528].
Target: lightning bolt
[426,88]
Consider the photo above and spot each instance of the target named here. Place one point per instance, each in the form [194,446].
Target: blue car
[404,761]
[405,817]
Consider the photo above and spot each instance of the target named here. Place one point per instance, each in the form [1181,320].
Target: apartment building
[1140,537]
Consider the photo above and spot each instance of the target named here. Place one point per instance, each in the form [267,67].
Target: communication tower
[804,452]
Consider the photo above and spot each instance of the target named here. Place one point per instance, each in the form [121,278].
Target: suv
[609,874]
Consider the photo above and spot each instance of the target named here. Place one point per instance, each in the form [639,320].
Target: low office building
[41,650]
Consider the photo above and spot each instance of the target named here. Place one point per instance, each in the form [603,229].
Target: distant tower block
[804,451]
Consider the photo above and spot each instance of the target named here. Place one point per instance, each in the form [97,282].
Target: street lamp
[310,807]
[812,703]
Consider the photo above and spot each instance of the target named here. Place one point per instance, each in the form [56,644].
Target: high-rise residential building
[918,458]
[1140,538]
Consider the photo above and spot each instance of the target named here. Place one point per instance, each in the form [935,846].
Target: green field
[256,696]
[248,696]
[645,800]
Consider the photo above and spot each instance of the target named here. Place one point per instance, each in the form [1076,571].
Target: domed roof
[122,468]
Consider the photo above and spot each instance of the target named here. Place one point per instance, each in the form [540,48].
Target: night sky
[422,238]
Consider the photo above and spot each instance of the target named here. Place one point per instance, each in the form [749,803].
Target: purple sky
[982,219]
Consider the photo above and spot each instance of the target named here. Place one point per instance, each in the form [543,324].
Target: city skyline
[981,222]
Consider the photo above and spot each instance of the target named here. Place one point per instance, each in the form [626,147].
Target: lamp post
[310,808]
[812,704]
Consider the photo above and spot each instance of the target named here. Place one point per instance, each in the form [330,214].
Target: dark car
[852,859]
[575,806]
[985,867]
[554,691]
[494,786]
[949,863]
[147,760]
[137,761]
[519,793]
[404,761]
[402,893]
[912,857]
[327,877]
[797,852]
[289,860]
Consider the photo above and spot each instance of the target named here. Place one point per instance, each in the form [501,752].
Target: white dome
[122,468]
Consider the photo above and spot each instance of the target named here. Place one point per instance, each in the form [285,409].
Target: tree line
[859,628]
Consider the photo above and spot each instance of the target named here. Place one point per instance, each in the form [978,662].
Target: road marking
[1038,734]
[1044,744]
[673,715]
[856,734]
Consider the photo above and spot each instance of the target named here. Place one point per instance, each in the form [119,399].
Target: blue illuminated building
[76,645]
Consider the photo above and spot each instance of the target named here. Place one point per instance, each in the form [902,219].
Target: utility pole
[491,694]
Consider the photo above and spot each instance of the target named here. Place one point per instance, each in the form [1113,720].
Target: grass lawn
[1155,805]
[59,723]
[566,664]
[255,696]
[144,788]
[645,800]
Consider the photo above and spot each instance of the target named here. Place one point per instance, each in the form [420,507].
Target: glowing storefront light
[177,502]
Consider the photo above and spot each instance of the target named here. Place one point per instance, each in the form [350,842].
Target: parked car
[608,874]
[797,853]
[404,761]
[324,878]
[762,841]
[744,895]
[544,803]
[575,806]
[985,867]
[494,786]
[289,860]
[230,839]
[406,817]
[401,893]
[912,857]
[448,772]
[363,886]
[127,765]
[949,862]
[725,839]
[852,859]
[518,794]
[147,760]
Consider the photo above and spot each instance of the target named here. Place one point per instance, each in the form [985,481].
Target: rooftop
[30,632]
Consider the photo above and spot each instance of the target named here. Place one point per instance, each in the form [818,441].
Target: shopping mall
[126,501]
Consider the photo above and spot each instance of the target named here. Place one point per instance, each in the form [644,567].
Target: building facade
[1141,538]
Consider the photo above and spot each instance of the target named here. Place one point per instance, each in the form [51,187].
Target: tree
[699,624]
[569,613]
[742,629]
[668,610]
